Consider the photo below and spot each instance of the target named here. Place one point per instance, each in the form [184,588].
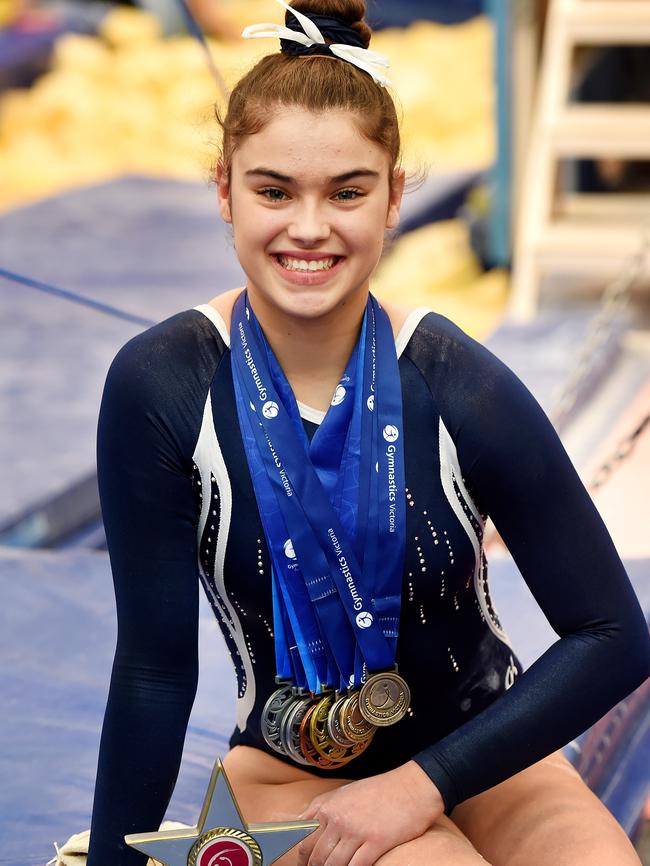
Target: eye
[270,189]
[355,192]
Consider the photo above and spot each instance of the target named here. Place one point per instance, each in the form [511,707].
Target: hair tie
[310,40]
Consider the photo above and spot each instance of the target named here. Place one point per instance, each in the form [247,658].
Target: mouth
[314,273]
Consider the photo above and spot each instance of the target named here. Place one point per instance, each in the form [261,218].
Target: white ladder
[555,231]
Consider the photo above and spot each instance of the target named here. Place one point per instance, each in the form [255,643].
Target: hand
[363,820]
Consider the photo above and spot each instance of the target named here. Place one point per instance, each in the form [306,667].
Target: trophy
[221,836]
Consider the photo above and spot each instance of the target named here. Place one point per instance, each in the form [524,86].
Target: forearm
[570,687]
[140,754]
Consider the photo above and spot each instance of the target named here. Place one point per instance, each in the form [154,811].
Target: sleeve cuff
[440,777]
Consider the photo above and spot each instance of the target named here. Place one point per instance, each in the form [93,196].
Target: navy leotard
[179,510]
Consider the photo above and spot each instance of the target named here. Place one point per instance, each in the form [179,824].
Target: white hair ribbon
[361,57]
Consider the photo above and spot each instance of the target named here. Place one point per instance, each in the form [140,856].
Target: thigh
[267,790]
[544,816]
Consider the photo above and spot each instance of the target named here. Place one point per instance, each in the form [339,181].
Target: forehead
[310,146]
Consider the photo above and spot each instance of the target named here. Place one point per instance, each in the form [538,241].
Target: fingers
[307,846]
[340,855]
[322,850]
[328,851]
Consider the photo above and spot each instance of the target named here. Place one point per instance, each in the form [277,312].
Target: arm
[523,478]
[148,510]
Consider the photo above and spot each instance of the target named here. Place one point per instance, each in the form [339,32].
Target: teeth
[302,265]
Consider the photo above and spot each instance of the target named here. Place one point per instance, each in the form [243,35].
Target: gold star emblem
[221,837]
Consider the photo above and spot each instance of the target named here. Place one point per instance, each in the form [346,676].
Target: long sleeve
[522,477]
[145,433]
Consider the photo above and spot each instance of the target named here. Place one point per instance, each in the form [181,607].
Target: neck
[313,352]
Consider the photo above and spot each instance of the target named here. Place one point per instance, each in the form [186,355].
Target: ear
[223,192]
[395,199]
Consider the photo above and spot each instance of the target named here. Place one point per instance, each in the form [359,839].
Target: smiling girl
[324,466]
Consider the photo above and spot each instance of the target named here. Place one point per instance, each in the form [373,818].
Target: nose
[308,225]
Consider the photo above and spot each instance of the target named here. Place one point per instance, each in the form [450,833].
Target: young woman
[325,466]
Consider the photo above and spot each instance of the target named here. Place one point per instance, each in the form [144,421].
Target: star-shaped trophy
[221,837]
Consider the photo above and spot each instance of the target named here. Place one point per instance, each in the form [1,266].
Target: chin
[307,303]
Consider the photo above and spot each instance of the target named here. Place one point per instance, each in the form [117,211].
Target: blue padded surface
[57,634]
[150,247]
[57,638]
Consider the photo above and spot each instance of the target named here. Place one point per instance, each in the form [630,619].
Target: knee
[444,843]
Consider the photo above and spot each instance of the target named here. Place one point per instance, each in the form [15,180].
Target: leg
[441,844]
[544,816]
[267,789]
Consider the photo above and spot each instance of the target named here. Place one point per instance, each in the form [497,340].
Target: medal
[315,745]
[307,748]
[353,725]
[324,745]
[384,699]
[272,714]
[290,727]
[334,728]
[318,734]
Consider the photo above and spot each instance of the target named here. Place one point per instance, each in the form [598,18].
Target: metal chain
[623,450]
[615,298]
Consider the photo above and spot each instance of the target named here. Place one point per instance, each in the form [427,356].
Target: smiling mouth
[307,267]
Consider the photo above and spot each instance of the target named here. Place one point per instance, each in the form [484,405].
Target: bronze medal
[272,714]
[384,699]
[353,725]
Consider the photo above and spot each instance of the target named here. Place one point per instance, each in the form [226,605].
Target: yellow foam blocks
[129,101]
[434,266]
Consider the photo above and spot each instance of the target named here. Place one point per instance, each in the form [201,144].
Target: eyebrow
[339,178]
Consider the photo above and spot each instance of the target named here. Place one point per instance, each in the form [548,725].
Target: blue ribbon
[333,510]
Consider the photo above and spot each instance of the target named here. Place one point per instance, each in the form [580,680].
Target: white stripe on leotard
[450,472]
[209,459]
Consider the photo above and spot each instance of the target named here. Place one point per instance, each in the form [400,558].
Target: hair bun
[352,12]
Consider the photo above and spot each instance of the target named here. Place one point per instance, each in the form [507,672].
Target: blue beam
[499,225]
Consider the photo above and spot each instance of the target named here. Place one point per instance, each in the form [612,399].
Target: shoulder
[436,340]
[469,382]
[158,382]
[184,347]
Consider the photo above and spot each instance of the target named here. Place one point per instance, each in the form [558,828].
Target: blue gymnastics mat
[57,637]
[149,247]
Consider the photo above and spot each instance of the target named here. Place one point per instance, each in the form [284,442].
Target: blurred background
[528,122]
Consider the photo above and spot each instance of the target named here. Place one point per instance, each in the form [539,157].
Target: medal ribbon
[328,505]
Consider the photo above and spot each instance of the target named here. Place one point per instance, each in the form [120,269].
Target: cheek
[371,237]
[255,231]
[360,231]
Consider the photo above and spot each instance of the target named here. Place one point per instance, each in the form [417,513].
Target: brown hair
[328,83]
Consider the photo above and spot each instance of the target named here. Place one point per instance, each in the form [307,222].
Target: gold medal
[307,748]
[353,725]
[327,748]
[384,699]
[319,734]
